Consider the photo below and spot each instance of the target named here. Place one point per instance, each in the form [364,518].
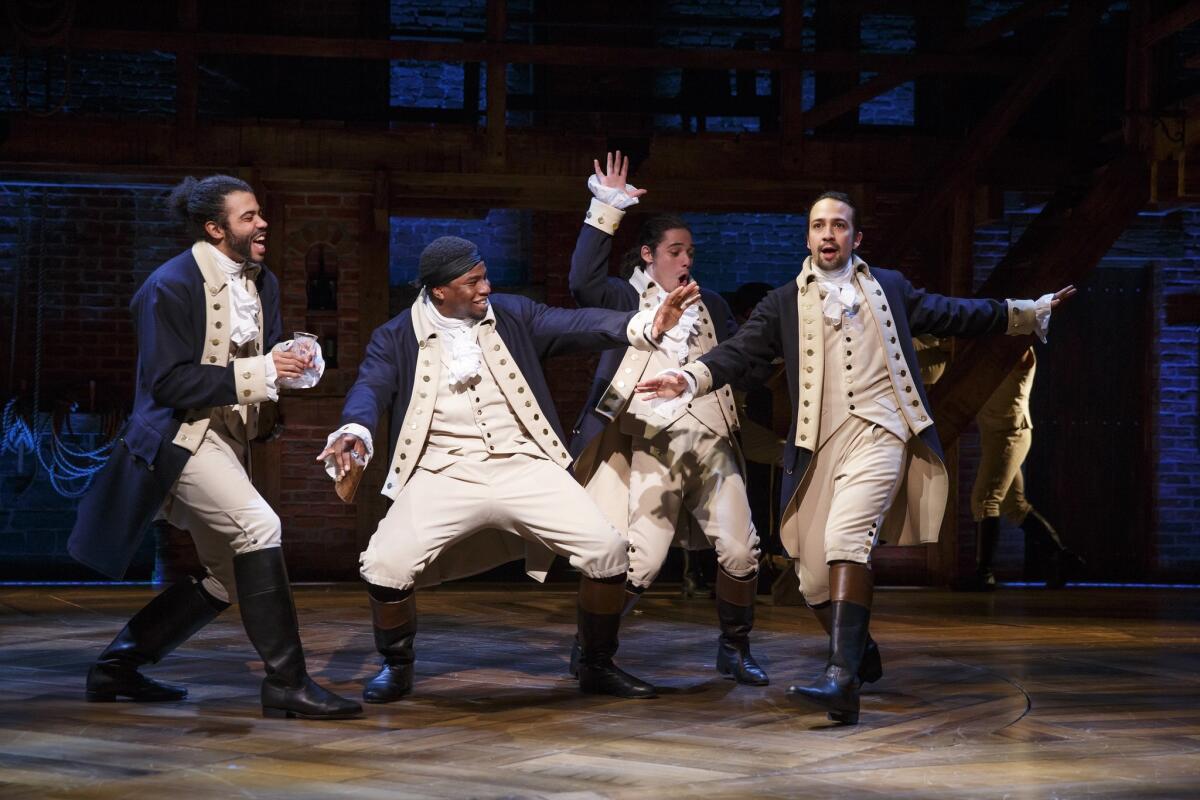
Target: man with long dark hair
[209,353]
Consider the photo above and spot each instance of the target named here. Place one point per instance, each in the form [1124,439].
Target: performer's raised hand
[616,174]
[1062,295]
[667,386]
[344,450]
[669,313]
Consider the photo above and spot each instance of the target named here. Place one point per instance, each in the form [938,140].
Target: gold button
[496,347]
[247,375]
[803,437]
[422,344]
[512,375]
[216,324]
[537,416]
[545,431]
[397,468]
[520,390]
[216,306]
[246,393]
[212,359]
[216,342]
[425,378]
[528,403]
[503,361]
[408,441]
[810,352]
[402,457]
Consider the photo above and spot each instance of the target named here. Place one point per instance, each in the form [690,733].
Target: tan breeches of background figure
[216,503]
[999,487]
[852,481]
[692,469]
[533,498]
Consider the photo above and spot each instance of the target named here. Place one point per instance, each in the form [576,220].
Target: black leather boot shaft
[167,621]
[395,625]
[269,616]
[597,646]
[837,690]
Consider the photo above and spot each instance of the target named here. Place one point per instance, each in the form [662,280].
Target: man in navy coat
[862,456]
[208,328]
[478,460]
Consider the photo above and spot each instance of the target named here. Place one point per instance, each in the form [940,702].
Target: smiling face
[832,238]
[670,263]
[465,297]
[242,233]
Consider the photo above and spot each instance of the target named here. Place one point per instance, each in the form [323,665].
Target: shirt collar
[808,272]
[231,268]
[641,280]
[424,328]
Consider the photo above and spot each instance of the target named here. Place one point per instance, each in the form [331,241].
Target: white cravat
[839,292]
[675,341]
[243,314]
[462,350]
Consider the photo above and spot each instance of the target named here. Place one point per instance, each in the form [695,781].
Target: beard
[242,245]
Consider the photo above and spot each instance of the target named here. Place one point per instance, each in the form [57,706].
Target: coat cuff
[639,330]
[603,217]
[1029,317]
[250,380]
[699,373]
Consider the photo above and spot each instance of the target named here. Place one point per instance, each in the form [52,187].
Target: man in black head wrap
[478,460]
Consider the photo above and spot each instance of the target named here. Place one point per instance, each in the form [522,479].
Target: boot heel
[844,717]
[278,713]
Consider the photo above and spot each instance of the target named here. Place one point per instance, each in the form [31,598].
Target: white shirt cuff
[611,195]
[272,377]
[668,407]
[311,376]
[354,429]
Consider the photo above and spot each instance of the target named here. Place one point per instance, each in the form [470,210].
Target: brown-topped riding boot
[166,622]
[600,604]
[632,595]
[735,612]
[394,613]
[837,689]
[872,663]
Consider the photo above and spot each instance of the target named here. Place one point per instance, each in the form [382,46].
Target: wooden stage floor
[1025,693]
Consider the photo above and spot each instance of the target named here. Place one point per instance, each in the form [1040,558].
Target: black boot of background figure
[735,612]
[986,540]
[167,621]
[394,613]
[837,690]
[1060,564]
[599,619]
[269,616]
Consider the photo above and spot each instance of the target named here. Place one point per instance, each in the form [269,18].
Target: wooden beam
[994,29]
[987,136]
[1061,246]
[849,101]
[187,77]
[517,53]
[791,92]
[1169,23]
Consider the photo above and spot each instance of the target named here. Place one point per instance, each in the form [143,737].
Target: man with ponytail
[209,353]
[646,463]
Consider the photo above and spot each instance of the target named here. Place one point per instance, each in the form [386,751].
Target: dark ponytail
[650,235]
[196,202]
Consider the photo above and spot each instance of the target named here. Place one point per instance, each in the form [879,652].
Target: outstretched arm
[589,281]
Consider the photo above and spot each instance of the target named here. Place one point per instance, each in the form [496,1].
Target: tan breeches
[217,504]
[688,468]
[533,498]
[851,483]
[999,487]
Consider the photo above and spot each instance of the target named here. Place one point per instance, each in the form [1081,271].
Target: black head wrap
[444,259]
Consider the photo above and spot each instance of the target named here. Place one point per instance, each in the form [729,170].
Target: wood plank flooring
[1024,693]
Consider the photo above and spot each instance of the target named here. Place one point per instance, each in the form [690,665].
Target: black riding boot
[735,611]
[166,622]
[600,602]
[986,540]
[632,595]
[269,616]
[1060,564]
[872,663]
[837,690]
[394,613]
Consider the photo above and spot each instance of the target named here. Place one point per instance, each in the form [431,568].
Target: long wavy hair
[650,235]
